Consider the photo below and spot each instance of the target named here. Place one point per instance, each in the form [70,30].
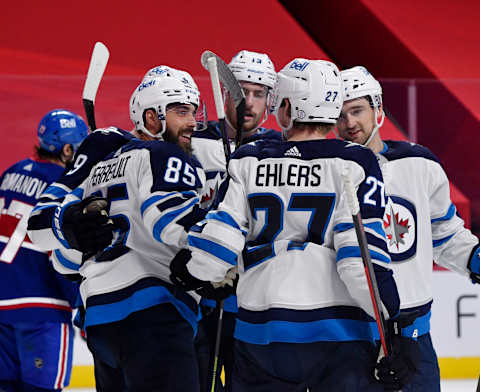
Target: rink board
[455,325]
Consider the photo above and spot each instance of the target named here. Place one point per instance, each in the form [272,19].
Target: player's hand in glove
[474,265]
[221,290]
[179,274]
[86,225]
[396,370]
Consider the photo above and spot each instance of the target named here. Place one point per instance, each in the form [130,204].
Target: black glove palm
[87,226]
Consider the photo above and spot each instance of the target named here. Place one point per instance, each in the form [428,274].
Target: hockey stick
[230,82]
[367,261]
[211,64]
[98,63]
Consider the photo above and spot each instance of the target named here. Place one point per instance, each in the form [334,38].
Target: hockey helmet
[314,89]
[253,67]
[157,94]
[59,127]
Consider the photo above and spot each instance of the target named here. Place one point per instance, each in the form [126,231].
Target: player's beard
[169,136]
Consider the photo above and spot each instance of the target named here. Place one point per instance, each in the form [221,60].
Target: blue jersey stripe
[139,300]
[343,227]
[66,262]
[354,251]
[377,227]
[166,219]
[450,213]
[213,248]
[304,332]
[441,241]
[224,217]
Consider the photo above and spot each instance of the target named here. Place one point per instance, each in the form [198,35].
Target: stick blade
[98,63]
[226,76]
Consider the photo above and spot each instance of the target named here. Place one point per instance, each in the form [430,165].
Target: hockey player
[92,230]
[256,75]
[419,214]
[36,333]
[282,218]
[139,326]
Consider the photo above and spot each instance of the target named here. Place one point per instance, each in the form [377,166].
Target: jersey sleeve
[95,147]
[218,240]
[169,199]
[452,242]
[371,197]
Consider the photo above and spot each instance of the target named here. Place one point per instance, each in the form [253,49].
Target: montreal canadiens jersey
[153,191]
[284,221]
[421,224]
[94,148]
[30,289]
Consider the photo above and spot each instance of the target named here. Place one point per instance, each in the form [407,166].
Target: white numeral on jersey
[375,183]
[20,211]
[172,174]
[79,161]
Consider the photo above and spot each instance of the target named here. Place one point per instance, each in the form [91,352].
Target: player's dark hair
[43,154]
[313,126]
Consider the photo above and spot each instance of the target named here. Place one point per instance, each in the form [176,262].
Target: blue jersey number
[118,248]
[319,204]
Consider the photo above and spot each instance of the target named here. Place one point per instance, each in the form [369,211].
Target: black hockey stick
[230,83]
[98,63]
[367,261]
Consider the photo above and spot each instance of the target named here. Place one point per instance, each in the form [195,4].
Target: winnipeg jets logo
[400,224]
[395,228]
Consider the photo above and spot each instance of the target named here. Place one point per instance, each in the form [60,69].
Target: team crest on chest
[400,224]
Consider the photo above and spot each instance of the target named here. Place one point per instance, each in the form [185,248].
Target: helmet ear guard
[59,127]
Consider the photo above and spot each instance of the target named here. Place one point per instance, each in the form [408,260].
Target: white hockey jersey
[208,149]
[153,191]
[421,225]
[301,274]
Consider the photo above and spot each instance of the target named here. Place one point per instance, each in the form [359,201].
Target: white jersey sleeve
[452,242]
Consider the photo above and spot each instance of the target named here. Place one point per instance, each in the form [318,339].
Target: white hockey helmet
[358,83]
[157,94]
[161,71]
[253,67]
[314,89]
[165,70]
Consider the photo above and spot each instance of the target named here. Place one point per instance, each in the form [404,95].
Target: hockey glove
[221,290]
[179,274]
[396,370]
[474,264]
[86,225]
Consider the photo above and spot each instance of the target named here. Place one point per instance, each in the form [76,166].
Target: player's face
[255,105]
[180,125]
[357,120]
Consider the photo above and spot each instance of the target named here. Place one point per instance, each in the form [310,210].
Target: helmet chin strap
[378,124]
[158,135]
